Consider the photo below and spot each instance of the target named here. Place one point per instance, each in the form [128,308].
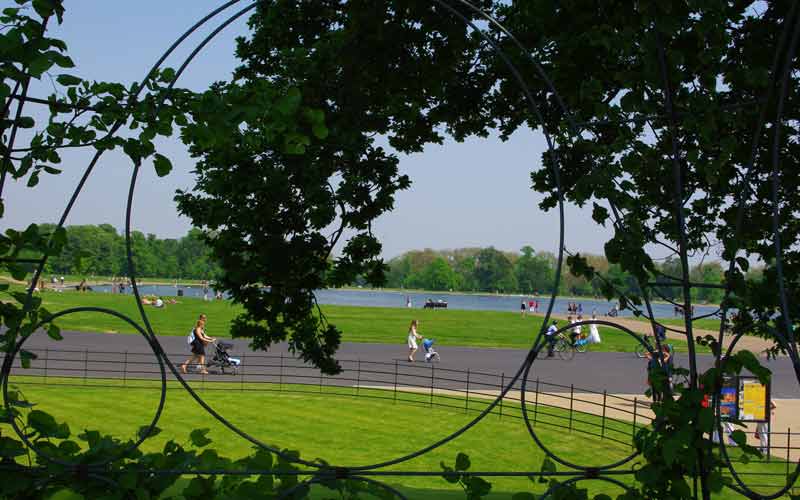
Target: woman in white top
[594,333]
[413,336]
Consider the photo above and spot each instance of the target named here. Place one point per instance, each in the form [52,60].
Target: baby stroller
[430,353]
[224,360]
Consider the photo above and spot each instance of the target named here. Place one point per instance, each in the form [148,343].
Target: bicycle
[564,348]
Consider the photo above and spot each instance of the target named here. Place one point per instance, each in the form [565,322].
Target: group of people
[158,302]
[575,333]
[118,285]
[575,308]
[532,306]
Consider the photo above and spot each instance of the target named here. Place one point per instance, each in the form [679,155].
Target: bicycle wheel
[565,350]
[581,346]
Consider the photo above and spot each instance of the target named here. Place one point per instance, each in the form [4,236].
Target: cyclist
[550,334]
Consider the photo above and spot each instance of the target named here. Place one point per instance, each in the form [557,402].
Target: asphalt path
[84,354]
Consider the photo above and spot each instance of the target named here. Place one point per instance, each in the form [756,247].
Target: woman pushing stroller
[198,340]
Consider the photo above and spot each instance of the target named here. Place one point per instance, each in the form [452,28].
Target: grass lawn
[344,430]
[359,324]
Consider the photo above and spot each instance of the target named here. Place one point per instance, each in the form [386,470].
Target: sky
[475,193]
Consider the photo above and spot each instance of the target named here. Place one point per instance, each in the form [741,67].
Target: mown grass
[382,325]
[349,428]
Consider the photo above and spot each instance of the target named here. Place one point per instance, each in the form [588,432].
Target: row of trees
[529,271]
[100,250]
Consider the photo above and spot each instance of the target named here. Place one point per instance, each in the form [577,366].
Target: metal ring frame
[361,473]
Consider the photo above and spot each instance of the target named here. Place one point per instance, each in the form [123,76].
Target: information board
[753,400]
[728,408]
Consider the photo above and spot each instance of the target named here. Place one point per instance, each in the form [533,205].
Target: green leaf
[33,180]
[26,122]
[66,494]
[450,476]
[320,130]
[162,164]
[25,357]
[462,462]
[39,65]
[144,429]
[54,332]
[42,422]
[288,104]
[198,437]
[10,448]
[478,486]
[548,467]
[68,80]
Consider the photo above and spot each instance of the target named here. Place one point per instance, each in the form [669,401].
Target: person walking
[413,336]
[594,332]
[198,345]
[523,310]
[653,366]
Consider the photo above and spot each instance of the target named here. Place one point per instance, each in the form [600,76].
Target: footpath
[756,345]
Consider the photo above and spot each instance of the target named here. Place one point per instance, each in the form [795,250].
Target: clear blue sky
[471,194]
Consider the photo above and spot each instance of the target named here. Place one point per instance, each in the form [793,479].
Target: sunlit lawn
[359,324]
[350,428]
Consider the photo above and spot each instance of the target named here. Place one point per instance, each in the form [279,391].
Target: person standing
[205,290]
[523,310]
[413,336]
[762,429]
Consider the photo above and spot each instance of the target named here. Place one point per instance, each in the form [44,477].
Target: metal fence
[610,417]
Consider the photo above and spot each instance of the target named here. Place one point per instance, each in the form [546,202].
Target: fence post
[320,381]
[633,427]
[603,421]
[280,375]
[241,374]
[46,355]
[432,375]
[502,386]
[395,381]
[358,378]
[466,403]
[571,399]
[788,449]
[125,370]
[85,365]
[536,402]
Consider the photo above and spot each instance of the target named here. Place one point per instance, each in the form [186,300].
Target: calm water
[380,298]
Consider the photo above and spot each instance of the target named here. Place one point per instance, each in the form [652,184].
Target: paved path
[594,371]
[755,344]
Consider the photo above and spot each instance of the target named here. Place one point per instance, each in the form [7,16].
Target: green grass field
[359,324]
[347,430]
[350,431]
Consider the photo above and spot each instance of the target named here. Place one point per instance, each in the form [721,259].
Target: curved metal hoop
[147,332]
[523,398]
[6,374]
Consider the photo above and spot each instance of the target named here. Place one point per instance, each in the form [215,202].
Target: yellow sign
[752,400]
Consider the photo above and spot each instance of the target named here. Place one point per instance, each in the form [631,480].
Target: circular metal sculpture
[363,472]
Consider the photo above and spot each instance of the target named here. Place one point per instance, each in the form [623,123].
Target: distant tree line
[529,272]
[100,250]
